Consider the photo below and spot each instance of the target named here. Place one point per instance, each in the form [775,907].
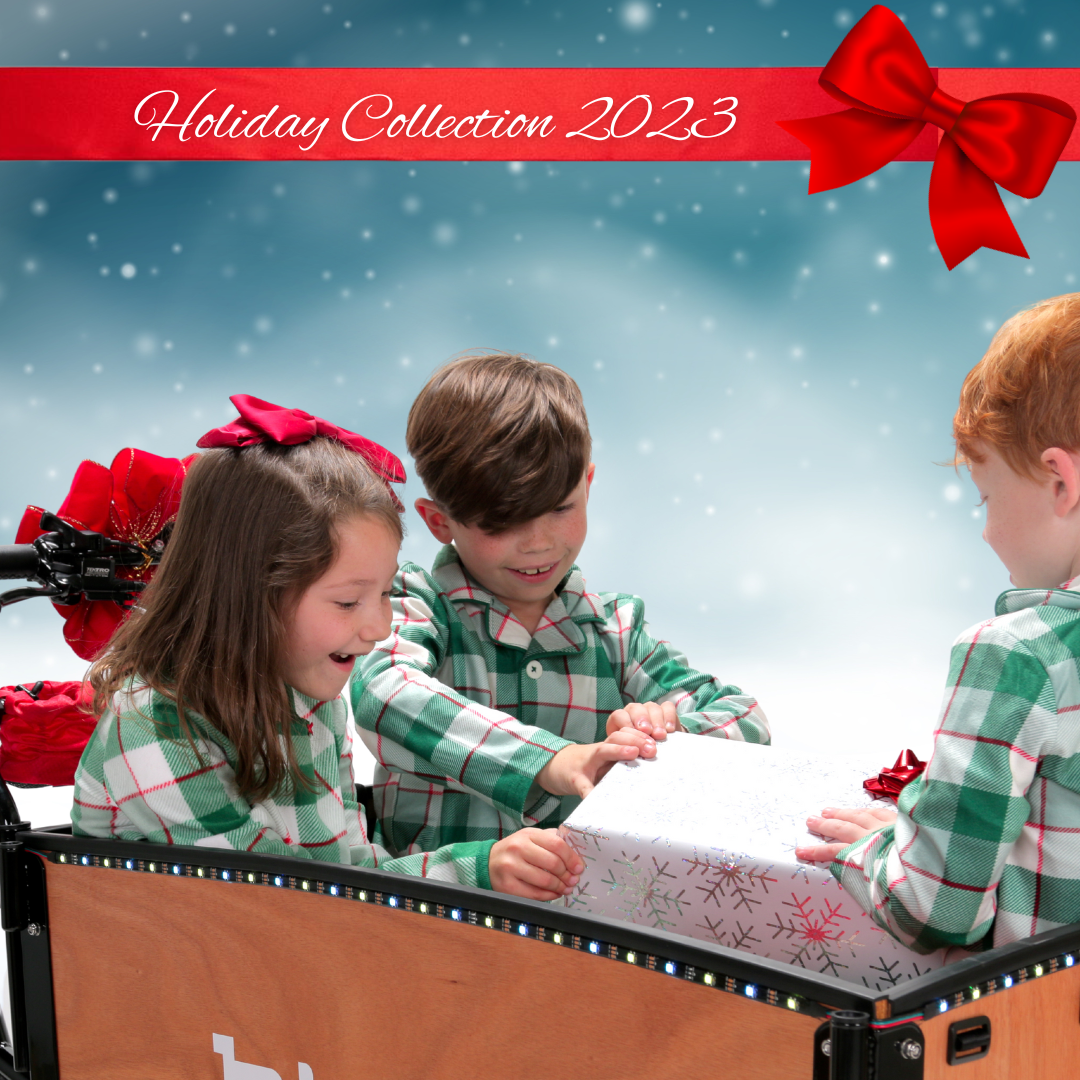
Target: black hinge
[893,1054]
[898,1053]
[969,1040]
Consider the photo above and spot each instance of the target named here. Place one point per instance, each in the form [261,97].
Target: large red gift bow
[1012,139]
[131,501]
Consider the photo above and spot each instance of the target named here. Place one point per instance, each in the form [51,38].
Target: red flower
[132,501]
[43,731]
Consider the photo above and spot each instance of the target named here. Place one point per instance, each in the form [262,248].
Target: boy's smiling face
[522,565]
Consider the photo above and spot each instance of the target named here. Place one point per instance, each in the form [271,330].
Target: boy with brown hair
[985,846]
[486,707]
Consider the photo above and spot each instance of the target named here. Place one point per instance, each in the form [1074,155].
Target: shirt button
[534,669]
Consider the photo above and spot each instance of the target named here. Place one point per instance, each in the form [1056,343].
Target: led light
[1038,970]
[201,872]
[85,860]
[393,901]
[251,879]
[793,1003]
[153,868]
[669,967]
[751,990]
[942,1005]
[523,930]
[129,865]
[709,979]
[423,909]
[305,885]
[63,858]
[1069,959]
[489,921]
[175,869]
[594,947]
[106,862]
[279,880]
[456,914]
[333,890]
[1007,981]
[557,938]
[362,894]
[976,993]
[225,875]
[631,957]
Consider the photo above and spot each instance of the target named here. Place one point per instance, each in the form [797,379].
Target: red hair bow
[132,501]
[262,422]
[1009,139]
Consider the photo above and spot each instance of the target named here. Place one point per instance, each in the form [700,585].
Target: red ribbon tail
[966,211]
[846,146]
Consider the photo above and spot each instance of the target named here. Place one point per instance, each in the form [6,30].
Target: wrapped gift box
[701,841]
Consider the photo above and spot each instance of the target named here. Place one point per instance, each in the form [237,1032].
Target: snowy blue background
[770,376]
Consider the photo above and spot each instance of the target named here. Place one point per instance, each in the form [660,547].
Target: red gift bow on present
[133,501]
[890,782]
[1009,139]
[44,729]
[262,422]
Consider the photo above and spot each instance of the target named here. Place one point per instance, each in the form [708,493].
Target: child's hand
[648,716]
[847,826]
[576,770]
[535,863]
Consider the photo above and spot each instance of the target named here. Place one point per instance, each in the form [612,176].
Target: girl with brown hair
[221,721]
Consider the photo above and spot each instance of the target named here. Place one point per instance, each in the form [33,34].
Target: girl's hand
[654,719]
[847,826]
[576,770]
[535,863]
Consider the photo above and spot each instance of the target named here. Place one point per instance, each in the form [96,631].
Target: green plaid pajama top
[462,708]
[989,837]
[139,779]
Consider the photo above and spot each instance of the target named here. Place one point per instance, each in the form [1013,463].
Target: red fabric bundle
[43,731]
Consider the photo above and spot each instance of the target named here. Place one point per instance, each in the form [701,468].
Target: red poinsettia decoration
[133,501]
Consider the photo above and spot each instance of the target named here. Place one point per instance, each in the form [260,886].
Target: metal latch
[969,1040]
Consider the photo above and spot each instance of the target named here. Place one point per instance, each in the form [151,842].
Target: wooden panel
[1034,1028]
[147,968]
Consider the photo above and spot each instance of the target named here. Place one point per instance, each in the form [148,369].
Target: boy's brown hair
[499,439]
[1023,396]
[256,527]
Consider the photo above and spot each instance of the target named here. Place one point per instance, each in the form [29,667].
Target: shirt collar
[1066,595]
[558,631]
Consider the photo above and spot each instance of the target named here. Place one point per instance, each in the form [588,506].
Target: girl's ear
[436,521]
[1064,468]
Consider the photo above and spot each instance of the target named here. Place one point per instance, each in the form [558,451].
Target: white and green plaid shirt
[462,707]
[140,779]
[986,845]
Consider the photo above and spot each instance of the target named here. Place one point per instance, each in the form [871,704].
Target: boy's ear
[1064,468]
[435,520]
[588,477]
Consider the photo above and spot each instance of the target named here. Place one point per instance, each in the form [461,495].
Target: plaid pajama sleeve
[417,725]
[655,670]
[970,841]
[141,779]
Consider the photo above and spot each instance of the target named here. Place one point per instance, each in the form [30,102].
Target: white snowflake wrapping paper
[701,841]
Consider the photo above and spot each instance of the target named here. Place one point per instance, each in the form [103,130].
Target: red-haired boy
[985,846]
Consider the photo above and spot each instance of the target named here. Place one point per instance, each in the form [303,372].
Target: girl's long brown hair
[256,527]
